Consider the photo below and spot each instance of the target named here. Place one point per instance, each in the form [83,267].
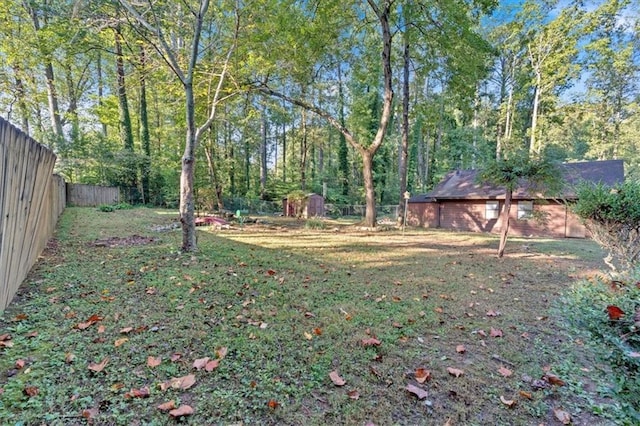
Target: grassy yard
[425,327]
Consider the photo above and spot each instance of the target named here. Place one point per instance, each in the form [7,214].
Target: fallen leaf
[372,341]
[308,336]
[221,352]
[505,372]
[336,379]
[20,364]
[120,342]
[101,329]
[175,357]
[419,392]
[461,349]
[30,391]
[615,313]
[354,394]
[69,358]
[492,313]
[317,331]
[273,404]
[270,272]
[126,330]
[212,365]
[553,379]
[563,416]
[90,413]
[526,395]
[138,393]
[32,334]
[455,372]
[99,366]
[495,332]
[508,402]
[166,406]
[183,410]
[422,375]
[183,383]
[153,362]
[20,317]
[4,337]
[482,333]
[200,363]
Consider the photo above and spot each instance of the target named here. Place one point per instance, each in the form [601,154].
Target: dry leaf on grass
[495,332]
[455,371]
[354,394]
[183,383]
[372,341]
[508,402]
[336,379]
[461,349]
[153,362]
[563,416]
[419,392]
[99,366]
[422,375]
[505,372]
[169,405]
[183,410]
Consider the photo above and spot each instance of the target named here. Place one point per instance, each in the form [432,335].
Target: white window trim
[492,210]
[525,209]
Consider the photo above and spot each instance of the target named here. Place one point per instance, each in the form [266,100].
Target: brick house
[459,202]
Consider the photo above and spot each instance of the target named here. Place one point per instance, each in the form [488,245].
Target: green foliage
[107,208]
[604,204]
[315,223]
[519,169]
[612,216]
[616,341]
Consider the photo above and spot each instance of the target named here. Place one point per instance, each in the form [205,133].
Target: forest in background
[277,83]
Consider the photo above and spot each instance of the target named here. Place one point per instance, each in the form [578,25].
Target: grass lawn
[425,327]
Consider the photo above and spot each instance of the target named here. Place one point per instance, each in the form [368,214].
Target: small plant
[315,223]
[107,208]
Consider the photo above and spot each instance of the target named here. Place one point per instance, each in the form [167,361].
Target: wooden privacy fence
[31,200]
[91,196]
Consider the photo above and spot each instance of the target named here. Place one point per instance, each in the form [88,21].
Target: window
[525,209]
[492,210]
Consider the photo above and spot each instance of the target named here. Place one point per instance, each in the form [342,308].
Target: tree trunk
[263,155]
[187,205]
[126,132]
[343,150]
[534,115]
[506,214]
[404,147]
[303,151]
[145,139]
[367,174]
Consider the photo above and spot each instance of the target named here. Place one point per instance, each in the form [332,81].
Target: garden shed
[460,202]
[311,205]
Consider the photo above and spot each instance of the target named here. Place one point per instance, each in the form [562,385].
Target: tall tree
[183,64]
[520,170]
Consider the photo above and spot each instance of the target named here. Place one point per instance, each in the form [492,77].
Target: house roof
[463,184]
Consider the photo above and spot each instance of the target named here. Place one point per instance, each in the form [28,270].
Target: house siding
[552,218]
[423,215]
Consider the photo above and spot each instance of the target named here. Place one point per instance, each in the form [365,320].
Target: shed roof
[463,184]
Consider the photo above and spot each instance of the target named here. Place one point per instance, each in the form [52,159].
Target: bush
[113,207]
[593,306]
[612,216]
[314,223]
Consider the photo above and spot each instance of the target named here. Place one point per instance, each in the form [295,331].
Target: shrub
[612,216]
[106,208]
[314,223]
[610,312]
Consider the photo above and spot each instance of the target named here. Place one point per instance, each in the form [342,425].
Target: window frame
[492,210]
[525,209]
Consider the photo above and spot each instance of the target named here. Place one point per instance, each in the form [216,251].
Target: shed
[311,206]
[460,202]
